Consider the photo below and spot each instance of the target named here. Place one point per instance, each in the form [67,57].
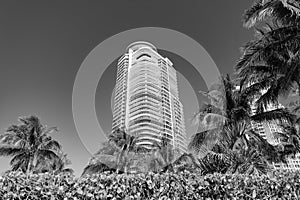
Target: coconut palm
[128,147]
[30,144]
[162,155]
[271,61]
[117,153]
[227,127]
[105,159]
[225,159]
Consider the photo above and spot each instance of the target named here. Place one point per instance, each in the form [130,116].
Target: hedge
[185,185]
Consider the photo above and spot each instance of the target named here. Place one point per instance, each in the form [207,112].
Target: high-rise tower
[146,101]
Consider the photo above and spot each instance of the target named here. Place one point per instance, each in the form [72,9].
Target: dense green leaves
[184,185]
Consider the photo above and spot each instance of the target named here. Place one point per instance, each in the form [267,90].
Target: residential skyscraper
[146,101]
[269,130]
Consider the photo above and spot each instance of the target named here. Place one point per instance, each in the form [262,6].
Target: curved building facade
[146,99]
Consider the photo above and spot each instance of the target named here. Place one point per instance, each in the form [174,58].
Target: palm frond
[292,5]
[18,157]
[256,13]
[280,114]
[259,50]
[95,168]
[280,11]
[10,150]
[109,160]
[52,145]
[201,143]
[50,130]
[67,170]
[254,163]
[49,154]
[20,164]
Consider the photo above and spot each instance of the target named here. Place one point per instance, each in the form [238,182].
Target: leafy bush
[184,185]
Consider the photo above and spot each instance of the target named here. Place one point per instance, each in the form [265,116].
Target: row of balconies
[145,106]
[143,73]
[152,101]
[121,86]
[124,56]
[151,133]
[151,123]
[147,89]
[145,95]
[143,117]
[144,111]
[118,123]
[144,85]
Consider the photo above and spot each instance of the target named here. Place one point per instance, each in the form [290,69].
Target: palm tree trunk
[120,156]
[125,169]
[298,82]
[30,163]
[34,161]
[195,162]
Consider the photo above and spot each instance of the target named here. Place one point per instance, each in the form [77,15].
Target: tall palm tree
[30,144]
[271,61]
[227,126]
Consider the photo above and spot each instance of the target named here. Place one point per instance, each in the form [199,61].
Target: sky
[43,44]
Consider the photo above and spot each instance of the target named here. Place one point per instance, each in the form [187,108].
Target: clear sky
[43,43]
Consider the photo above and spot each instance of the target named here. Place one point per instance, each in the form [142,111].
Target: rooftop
[139,44]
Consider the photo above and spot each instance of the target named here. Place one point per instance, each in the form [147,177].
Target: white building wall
[146,97]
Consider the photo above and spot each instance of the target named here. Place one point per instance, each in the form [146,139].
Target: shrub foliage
[184,185]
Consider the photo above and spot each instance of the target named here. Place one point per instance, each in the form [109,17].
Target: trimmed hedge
[185,185]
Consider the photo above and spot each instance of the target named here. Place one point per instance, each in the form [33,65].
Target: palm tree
[227,127]
[105,159]
[30,146]
[117,153]
[128,147]
[271,61]
[162,155]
